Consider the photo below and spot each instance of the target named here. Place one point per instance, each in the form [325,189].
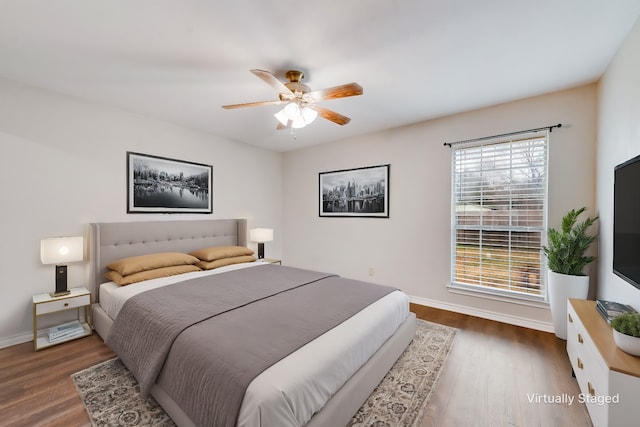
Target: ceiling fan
[300,107]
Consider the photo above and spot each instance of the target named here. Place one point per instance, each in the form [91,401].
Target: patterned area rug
[111,394]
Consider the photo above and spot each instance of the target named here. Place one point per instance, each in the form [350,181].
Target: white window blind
[499,216]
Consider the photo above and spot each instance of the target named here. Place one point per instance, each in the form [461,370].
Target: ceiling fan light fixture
[292,110]
[299,117]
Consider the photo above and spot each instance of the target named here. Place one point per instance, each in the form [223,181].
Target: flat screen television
[626,221]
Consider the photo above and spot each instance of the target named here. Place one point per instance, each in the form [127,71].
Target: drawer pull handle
[592,391]
[66,304]
[580,364]
[580,340]
[570,318]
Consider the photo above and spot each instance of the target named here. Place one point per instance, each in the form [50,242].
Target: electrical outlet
[372,271]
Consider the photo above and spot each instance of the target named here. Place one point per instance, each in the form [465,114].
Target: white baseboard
[16,339]
[485,314]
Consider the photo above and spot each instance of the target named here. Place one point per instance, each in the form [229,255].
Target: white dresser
[609,378]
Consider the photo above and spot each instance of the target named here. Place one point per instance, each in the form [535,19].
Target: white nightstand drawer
[63,304]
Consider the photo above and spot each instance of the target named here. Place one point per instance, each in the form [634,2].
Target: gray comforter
[204,340]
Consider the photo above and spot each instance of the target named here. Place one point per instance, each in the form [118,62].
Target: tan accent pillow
[136,264]
[218,252]
[173,270]
[225,261]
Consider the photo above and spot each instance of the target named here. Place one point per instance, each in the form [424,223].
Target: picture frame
[162,185]
[360,192]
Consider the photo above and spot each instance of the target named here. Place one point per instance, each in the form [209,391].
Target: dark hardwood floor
[36,388]
[487,380]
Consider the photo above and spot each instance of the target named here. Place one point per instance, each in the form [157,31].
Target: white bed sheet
[292,390]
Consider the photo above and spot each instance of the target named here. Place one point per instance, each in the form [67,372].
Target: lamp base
[59,294]
[260,250]
[61,281]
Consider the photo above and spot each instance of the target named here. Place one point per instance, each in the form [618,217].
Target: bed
[346,376]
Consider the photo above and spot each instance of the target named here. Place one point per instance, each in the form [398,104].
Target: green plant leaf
[566,249]
[628,324]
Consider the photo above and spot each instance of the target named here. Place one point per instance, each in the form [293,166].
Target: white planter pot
[627,343]
[562,287]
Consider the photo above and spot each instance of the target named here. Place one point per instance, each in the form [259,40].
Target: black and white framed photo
[161,185]
[361,192]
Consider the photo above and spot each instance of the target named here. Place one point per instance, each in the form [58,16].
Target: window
[499,216]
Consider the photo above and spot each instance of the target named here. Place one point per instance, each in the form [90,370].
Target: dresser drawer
[590,370]
[62,304]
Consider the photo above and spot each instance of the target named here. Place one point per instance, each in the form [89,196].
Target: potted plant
[626,332]
[566,261]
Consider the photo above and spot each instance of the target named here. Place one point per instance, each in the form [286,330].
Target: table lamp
[261,235]
[59,251]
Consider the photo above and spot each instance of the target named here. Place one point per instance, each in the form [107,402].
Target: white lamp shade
[299,117]
[282,117]
[292,110]
[261,235]
[58,250]
[298,123]
[309,114]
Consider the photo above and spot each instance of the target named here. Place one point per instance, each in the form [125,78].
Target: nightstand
[44,304]
[272,261]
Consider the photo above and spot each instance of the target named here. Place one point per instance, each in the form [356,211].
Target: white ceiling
[181,60]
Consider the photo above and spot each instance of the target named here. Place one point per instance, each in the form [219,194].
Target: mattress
[292,390]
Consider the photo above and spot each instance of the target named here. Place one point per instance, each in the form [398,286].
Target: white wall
[618,141]
[63,165]
[411,249]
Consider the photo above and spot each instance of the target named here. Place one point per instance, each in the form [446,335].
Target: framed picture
[361,192]
[161,185]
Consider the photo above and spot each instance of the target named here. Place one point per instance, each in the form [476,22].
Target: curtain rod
[550,128]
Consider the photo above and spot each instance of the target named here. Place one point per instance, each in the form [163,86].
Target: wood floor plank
[485,382]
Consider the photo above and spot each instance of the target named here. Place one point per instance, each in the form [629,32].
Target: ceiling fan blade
[342,91]
[271,80]
[252,104]
[332,115]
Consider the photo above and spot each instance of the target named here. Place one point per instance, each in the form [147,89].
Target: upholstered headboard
[116,240]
